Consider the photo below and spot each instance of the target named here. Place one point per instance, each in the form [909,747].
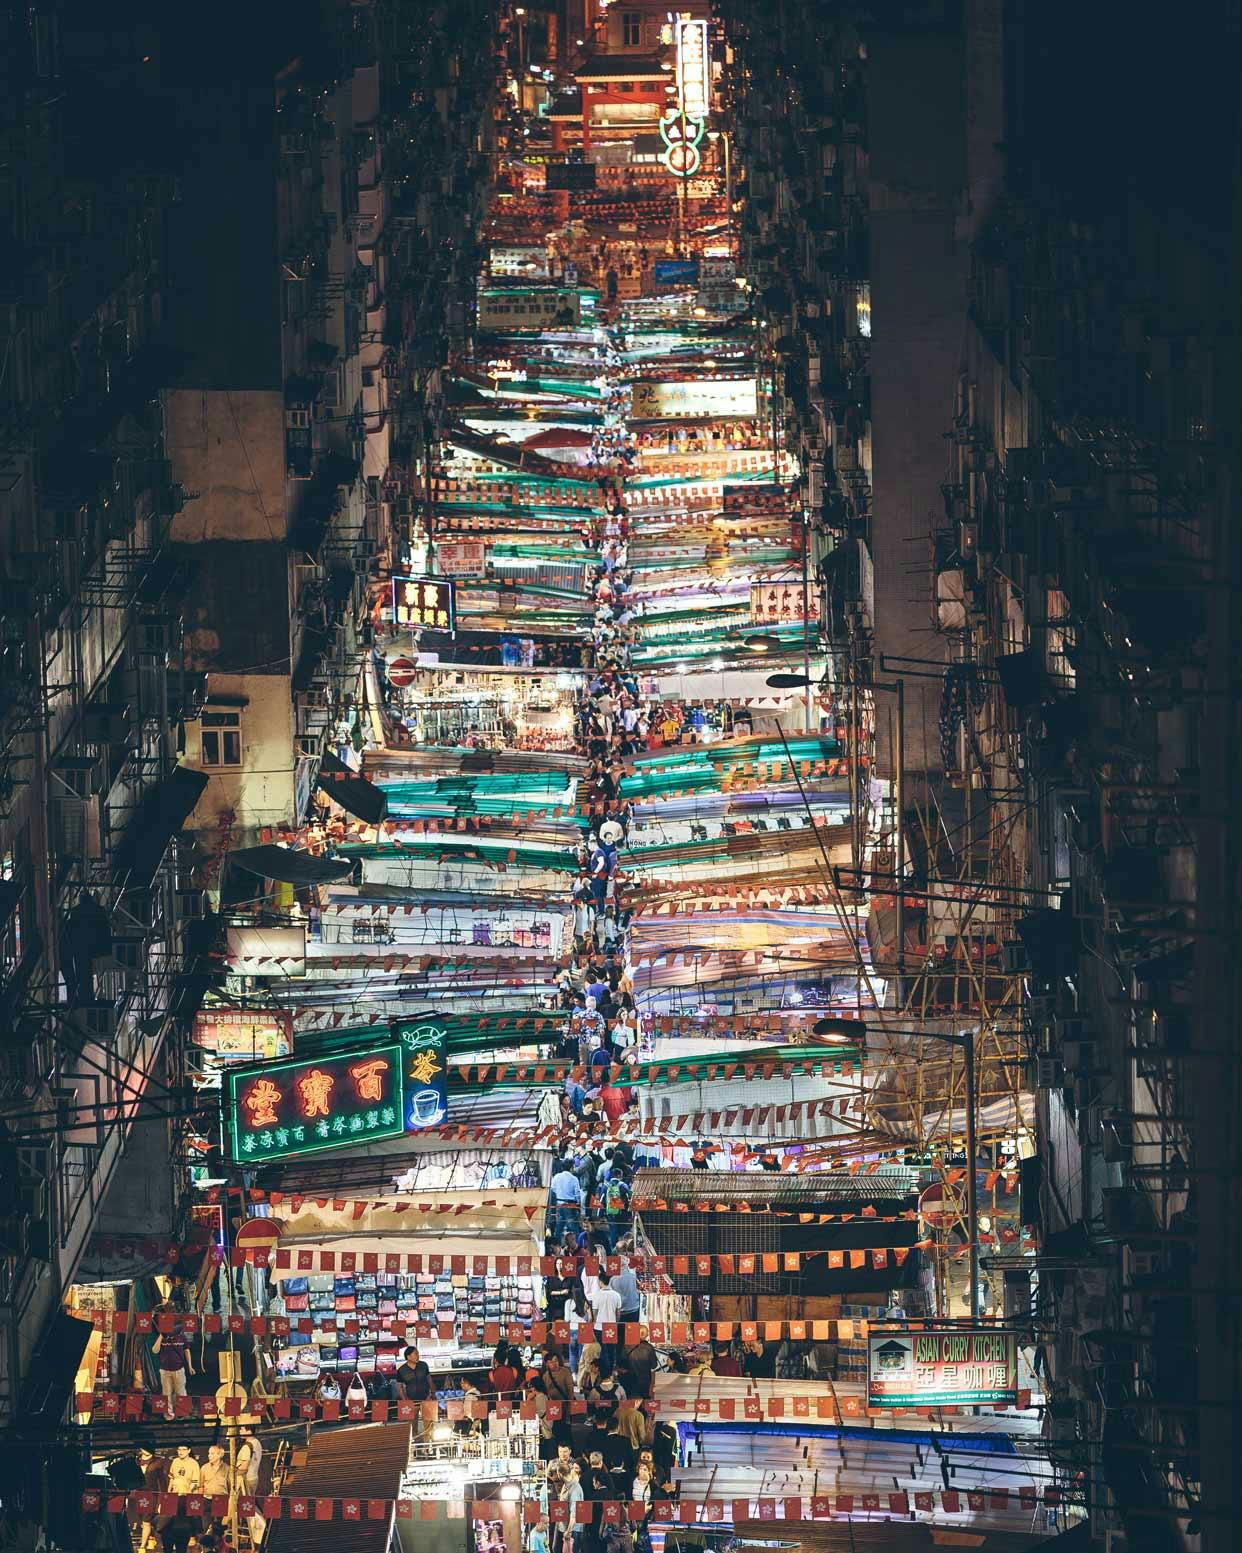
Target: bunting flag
[560,1511]
[701,1266]
[306,1260]
[123,1406]
[678,1334]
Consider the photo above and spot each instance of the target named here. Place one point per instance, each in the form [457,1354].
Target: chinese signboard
[519,310]
[693,68]
[942,1367]
[461,557]
[423,603]
[570,175]
[518,259]
[244,1034]
[316,1103]
[702,396]
[776,602]
[426,1077]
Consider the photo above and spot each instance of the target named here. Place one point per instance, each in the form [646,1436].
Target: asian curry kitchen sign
[941,1367]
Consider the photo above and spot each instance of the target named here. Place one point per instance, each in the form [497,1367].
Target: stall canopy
[162,813]
[290,867]
[352,790]
[508,1220]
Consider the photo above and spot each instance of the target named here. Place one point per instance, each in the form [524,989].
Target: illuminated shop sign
[426,1074]
[424,603]
[736,397]
[693,68]
[244,1034]
[316,1103]
[775,602]
[958,1366]
[681,136]
[518,310]
[461,557]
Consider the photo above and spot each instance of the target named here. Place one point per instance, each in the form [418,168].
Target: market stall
[363,1316]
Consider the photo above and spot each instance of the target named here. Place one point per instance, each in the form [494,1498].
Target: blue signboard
[424,1072]
[676,272]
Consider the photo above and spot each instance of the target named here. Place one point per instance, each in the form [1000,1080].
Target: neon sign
[316,1103]
[681,153]
[693,69]
[426,1077]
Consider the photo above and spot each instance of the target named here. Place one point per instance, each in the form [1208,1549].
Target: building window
[631,29]
[221,736]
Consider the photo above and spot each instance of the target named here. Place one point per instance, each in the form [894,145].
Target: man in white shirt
[606,1306]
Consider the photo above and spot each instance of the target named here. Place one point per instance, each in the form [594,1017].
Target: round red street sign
[259,1234]
[402,672]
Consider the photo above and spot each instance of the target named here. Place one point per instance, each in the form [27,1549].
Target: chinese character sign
[693,68]
[425,1074]
[963,1366]
[316,1103]
[244,1035]
[778,601]
[423,603]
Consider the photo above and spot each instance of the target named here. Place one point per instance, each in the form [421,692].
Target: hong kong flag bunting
[296,1507]
[133,1405]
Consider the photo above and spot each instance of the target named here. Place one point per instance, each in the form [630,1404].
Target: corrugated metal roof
[362,1463]
[775,1190]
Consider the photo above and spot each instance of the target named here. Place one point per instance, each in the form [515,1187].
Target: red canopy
[559,437]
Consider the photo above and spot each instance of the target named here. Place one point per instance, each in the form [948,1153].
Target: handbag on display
[295,1303]
[343,1286]
[295,1286]
[347,1303]
[357,1392]
[321,1283]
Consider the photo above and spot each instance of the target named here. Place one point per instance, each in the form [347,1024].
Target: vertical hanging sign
[693,69]
[425,1073]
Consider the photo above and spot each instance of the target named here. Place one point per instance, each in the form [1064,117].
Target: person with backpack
[616,1207]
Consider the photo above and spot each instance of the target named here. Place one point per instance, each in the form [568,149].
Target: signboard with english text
[941,1367]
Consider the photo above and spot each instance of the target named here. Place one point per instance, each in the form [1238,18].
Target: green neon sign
[314,1104]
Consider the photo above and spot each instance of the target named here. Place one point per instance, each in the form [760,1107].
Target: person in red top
[616,1101]
[503,1377]
[723,1362]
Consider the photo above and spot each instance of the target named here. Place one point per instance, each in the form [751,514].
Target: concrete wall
[260,791]
[919,272]
[228,450]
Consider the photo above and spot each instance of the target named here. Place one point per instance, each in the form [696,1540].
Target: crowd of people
[183,1473]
